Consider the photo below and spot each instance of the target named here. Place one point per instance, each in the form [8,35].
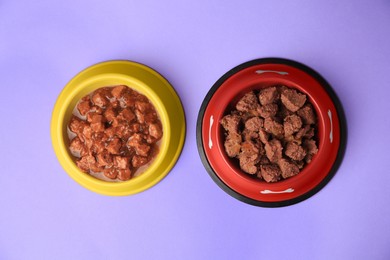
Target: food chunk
[307,114]
[292,100]
[295,151]
[249,103]
[273,137]
[288,168]
[270,172]
[273,127]
[231,123]
[268,96]
[292,124]
[116,130]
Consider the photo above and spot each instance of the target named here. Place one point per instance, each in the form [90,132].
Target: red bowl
[258,74]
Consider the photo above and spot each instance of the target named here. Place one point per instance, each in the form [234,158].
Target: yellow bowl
[146,81]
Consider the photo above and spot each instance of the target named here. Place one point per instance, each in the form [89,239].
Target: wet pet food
[113,132]
[271,132]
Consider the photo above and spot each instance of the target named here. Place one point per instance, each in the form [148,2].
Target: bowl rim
[168,155]
[338,107]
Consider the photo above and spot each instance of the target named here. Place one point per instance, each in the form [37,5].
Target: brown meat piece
[306,131]
[249,103]
[268,96]
[142,106]
[134,140]
[270,172]
[99,99]
[86,162]
[311,149]
[97,123]
[155,131]
[231,122]
[137,142]
[138,161]
[273,127]
[124,174]
[150,116]
[96,110]
[249,157]
[254,124]
[104,159]
[233,144]
[292,124]
[295,151]
[83,107]
[292,99]
[111,173]
[76,125]
[118,91]
[268,110]
[273,150]
[142,149]
[288,168]
[114,146]
[126,115]
[77,147]
[307,114]
[121,162]
[110,132]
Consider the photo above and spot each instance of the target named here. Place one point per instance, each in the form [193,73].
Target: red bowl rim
[324,164]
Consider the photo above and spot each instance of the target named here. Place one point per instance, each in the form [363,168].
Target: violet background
[44,214]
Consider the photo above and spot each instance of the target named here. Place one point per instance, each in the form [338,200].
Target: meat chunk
[249,103]
[311,149]
[270,172]
[268,96]
[99,100]
[292,124]
[141,148]
[233,144]
[231,122]
[268,110]
[83,107]
[76,125]
[97,123]
[118,91]
[288,168]
[77,147]
[254,124]
[292,99]
[142,106]
[249,157]
[155,131]
[126,115]
[306,131]
[273,127]
[86,162]
[121,162]
[138,161]
[110,173]
[295,151]
[114,146]
[307,114]
[273,150]
[124,174]
[104,158]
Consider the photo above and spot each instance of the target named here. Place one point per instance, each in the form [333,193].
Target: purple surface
[44,214]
